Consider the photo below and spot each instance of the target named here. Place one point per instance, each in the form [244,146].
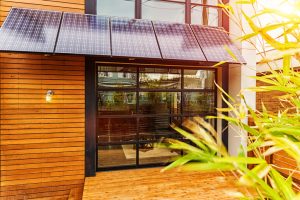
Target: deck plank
[151,184]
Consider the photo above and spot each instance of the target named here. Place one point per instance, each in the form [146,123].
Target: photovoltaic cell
[27,30]
[133,38]
[84,34]
[177,41]
[213,41]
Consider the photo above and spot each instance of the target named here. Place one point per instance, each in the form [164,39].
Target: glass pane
[116,155]
[118,8]
[116,77]
[160,78]
[114,102]
[163,11]
[149,153]
[199,79]
[159,102]
[155,128]
[199,103]
[116,130]
[205,16]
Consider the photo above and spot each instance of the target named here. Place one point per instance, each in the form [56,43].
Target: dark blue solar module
[84,34]
[133,38]
[213,41]
[177,41]
[28,30]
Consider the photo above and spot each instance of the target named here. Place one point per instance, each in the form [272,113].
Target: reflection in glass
[116,129]
[205,16]
[156,128]
[112,77]
[163,11]
[160,78]
[199,79]
[199,103]
[159,102]
[116,155]
[114,102]
[150,153]
[120,8]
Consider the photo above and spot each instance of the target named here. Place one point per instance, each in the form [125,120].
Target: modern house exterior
[82,93]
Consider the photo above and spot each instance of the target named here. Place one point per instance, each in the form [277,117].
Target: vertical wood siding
[41,144]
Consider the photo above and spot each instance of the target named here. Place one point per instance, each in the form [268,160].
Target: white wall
[239,78]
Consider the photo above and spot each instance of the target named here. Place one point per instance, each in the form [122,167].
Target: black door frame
[91,103]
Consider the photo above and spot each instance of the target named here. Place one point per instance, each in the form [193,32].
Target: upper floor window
[163,11]
[205,15]
[119,8]
[203,12]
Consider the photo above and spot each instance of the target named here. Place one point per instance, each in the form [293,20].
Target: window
[163,10]
[119,8]
[205,15]
[136,106]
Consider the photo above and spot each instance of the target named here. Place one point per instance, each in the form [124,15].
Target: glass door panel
[116,155]
[156,128]
[137,105]
[116,130]
[159,102]
[151,153]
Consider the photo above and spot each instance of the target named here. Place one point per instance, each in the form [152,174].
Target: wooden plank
[42,144]
[152,184]
[42,156]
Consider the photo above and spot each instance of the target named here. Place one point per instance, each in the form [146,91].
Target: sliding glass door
[136,106]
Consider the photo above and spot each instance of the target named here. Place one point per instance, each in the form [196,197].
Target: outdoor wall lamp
[49,96]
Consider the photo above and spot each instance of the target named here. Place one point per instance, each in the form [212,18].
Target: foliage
[271,132]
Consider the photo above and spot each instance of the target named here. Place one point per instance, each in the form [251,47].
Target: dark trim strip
[90,117]
[225,86]
[138,9]
[91,7]
[188,12]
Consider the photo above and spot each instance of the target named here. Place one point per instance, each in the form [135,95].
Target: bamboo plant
[271,131]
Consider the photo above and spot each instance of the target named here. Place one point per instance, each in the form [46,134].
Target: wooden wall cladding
[281,160]
[41,144]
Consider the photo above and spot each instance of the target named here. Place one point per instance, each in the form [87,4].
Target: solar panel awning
[40,31]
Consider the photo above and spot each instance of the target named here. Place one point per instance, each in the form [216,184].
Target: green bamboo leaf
[281,184]
[225,93]
[219,63]
[272,150]
[232,55]
[255,174]
[240,160]
[190,137]
[208,167]
[294,131]
[180,161]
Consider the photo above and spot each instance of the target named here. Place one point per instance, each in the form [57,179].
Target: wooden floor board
[151,184]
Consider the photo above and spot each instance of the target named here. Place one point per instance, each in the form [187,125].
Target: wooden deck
[151,184]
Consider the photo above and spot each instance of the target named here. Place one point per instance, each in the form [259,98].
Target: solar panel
[28,30]
[177,42]
[84,34]
[133,38]
[213,41]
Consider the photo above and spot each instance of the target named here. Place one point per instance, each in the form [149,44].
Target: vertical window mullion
[188,9]
[138,9]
